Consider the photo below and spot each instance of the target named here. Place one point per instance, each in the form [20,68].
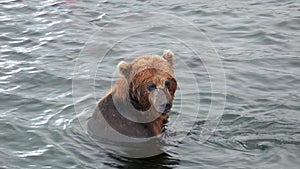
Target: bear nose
[168,107]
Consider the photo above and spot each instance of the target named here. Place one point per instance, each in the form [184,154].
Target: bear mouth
[165,112]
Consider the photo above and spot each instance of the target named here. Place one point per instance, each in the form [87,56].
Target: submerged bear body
[125,126]
[139,102]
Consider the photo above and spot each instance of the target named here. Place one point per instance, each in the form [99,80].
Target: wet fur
[131,89]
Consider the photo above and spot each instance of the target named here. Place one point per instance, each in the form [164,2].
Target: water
[258,43]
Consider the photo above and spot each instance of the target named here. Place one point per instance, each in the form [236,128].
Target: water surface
[258,42]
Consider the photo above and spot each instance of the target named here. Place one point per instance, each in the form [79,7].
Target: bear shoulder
[107,111]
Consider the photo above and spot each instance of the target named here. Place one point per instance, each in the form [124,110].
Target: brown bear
[138,103]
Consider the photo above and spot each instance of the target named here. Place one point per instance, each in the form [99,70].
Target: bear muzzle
[162,101]
[166,106]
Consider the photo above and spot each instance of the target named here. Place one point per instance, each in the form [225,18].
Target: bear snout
[168,107]
[165,107]
[161,100]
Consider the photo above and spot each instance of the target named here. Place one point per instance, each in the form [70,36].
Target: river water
[237,64]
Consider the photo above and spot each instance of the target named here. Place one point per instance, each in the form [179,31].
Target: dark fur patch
[135,103]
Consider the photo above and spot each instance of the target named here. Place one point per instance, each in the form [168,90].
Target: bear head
[151,82]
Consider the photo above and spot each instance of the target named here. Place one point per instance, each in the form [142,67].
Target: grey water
[253,44]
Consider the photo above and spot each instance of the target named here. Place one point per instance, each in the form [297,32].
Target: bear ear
[169,56]
[124,68]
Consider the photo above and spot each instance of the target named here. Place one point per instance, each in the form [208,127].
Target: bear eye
[167,84]
[151,87]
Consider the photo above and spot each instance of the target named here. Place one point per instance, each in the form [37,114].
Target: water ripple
[37,152]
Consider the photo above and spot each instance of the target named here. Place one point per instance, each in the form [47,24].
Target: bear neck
[121,95]
[123,100]
[134,102]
